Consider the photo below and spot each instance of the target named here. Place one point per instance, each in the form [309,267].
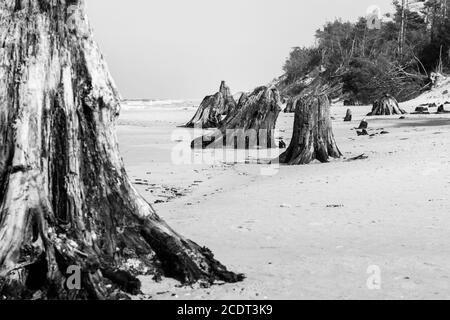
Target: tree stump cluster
[386,106]
[251,124]
[313,137]
[213,109]
[65,197]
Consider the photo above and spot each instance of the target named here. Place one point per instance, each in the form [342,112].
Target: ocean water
[161,105]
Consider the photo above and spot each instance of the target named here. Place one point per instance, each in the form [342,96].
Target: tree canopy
[395,58]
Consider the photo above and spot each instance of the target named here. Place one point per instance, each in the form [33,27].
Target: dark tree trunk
[313,137]
[213,109]
[65,198]
[348,116]
[386,106]
[421,110]
[250,124]
[441,110]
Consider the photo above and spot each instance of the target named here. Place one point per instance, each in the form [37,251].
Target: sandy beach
[305,232]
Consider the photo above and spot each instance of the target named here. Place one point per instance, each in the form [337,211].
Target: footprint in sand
[241,229]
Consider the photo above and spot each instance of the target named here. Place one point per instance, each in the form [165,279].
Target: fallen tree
[213,109]
[65,197]
[313,137]
[250,124]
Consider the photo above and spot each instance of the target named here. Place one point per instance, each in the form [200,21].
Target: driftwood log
[250,125]
[65,198]
[313,137]
[386,106]
[213,109]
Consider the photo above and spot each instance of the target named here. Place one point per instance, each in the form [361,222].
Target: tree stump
[251,124]
[65,197]
[385,106]
[441,110]
[213,109]
[363,125]
[421,110]
[313,137]
[348,116]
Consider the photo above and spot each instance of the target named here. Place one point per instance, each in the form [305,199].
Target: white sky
[182,49]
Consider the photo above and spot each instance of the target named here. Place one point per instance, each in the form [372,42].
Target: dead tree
[313,137]
[250,124]
[213,109]
[385,106]
[65,198]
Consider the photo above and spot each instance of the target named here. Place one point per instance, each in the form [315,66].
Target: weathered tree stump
[348,116]
[313,137]
[421,110]
[213,109]
[441,110]
[65,197]
[363,125]
[385,106]
[251,124]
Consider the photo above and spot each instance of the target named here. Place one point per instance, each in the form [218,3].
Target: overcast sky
[182,49]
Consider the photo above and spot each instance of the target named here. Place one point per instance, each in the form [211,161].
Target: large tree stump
[251,124]
[65,198]
[385,106]
[213,109]
[313,137]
